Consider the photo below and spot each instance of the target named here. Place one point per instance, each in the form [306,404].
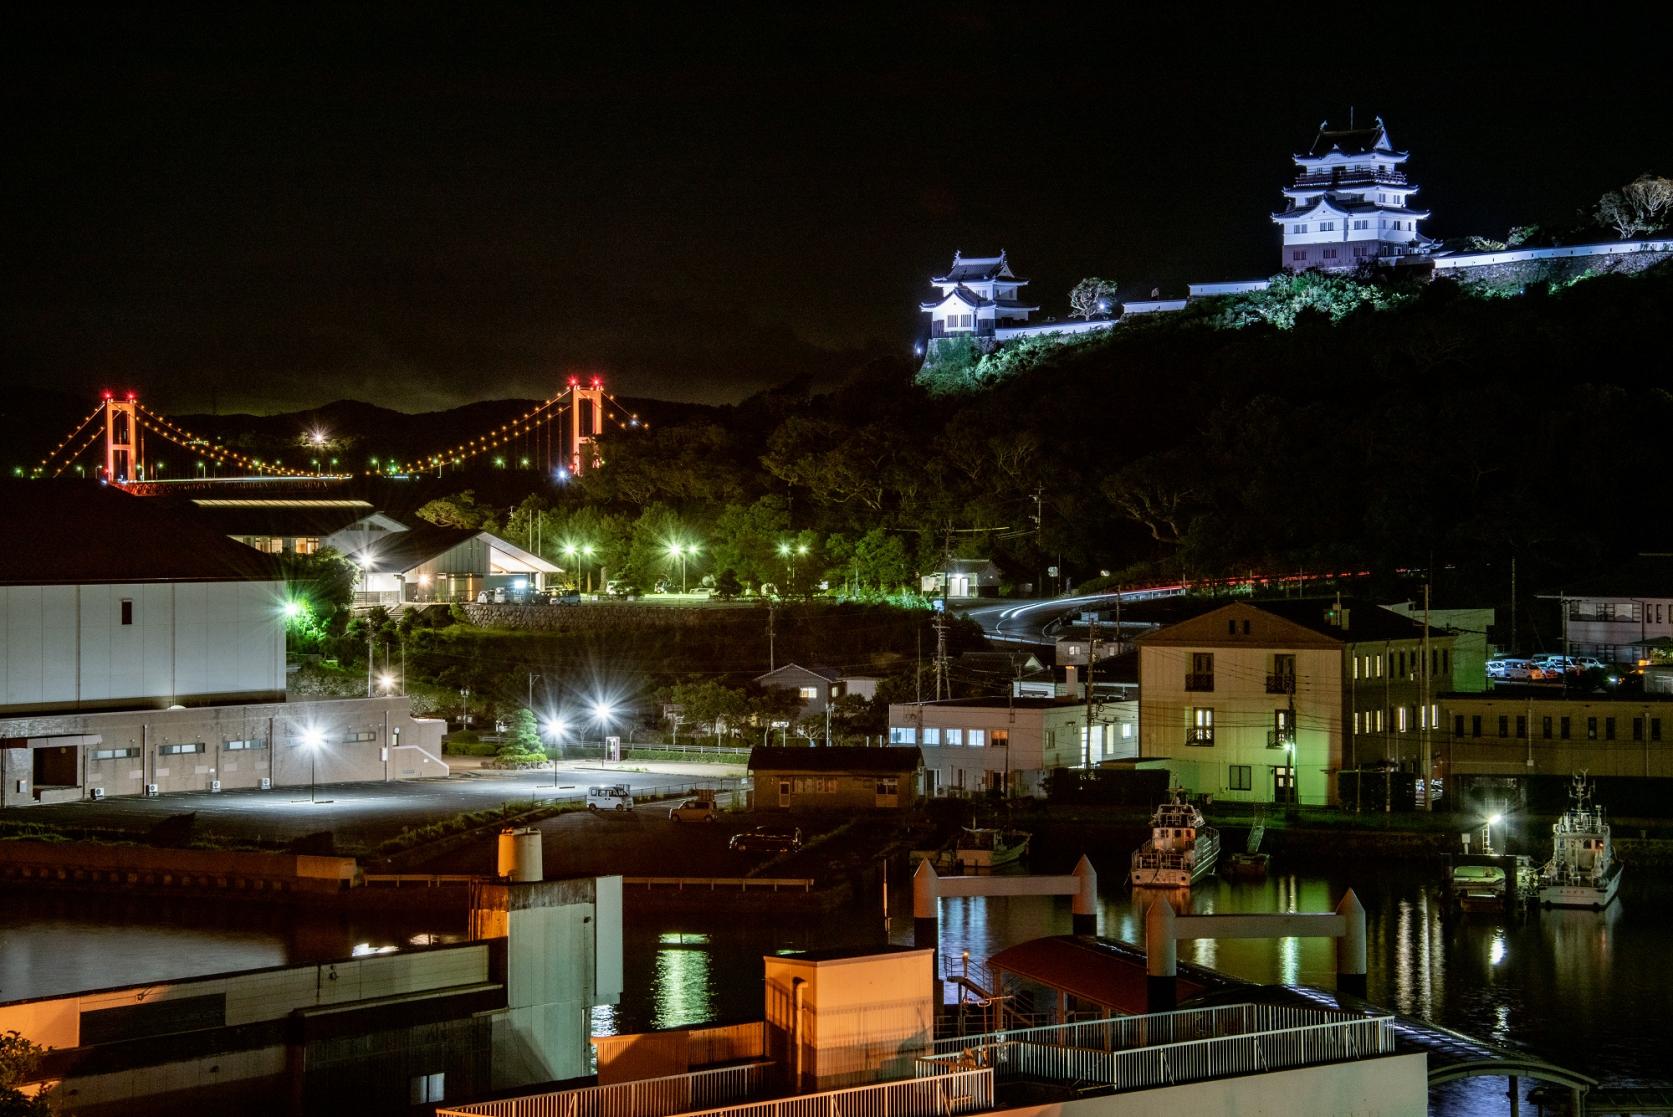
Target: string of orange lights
[85,446]
[180,436]
[77,429]
[496,438]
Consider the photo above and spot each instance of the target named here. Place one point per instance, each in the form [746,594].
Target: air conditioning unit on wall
[214,785]
[266,784]
[96,793]
[151,790]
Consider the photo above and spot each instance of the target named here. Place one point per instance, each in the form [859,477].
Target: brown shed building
[823,778]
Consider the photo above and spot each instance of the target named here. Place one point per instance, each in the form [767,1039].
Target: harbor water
[1579,988]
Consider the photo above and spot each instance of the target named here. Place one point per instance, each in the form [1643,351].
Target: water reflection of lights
[1289,961]
[683,938]
[684,993]
[1403,999]
[1496,952]
[1501,1023]
[366,950]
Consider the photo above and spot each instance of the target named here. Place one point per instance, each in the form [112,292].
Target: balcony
[1280,738]
[1280,684]
[1200,738]
[1353,178]
[1199,680]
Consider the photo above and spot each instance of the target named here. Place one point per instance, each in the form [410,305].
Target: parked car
[566,597]
[610,797]
[1518,669]
[694,810]
[1496,668]
[775,839]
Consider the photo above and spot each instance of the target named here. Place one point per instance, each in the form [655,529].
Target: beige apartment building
[1268,701]
[972,746]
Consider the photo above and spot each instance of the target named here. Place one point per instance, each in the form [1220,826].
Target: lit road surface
[1028,622]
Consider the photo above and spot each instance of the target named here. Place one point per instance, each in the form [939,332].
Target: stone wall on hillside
[614,616]
[1515,275]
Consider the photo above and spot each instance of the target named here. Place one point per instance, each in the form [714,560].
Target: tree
[727,586]
[459,510]
[1091,296]
[20,1061]
[1650,198]
[523,745]
[1613,211]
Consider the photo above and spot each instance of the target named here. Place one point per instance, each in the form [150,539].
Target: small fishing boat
[1582,872]
[1251,864]
[1181,849]
[978,849]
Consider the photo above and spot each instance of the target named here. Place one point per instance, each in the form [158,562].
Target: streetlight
[1487,832]
[603,712]
[386,682]
[312,739]
[790,554]
[682,552]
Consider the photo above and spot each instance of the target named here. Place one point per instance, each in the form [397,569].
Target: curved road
[1034,622]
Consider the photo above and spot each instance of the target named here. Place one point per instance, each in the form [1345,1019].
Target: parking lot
[368,813]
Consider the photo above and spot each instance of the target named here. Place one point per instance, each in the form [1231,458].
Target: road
[1033,622]
[364,814]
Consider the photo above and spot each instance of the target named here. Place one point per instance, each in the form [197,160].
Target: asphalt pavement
[364,814]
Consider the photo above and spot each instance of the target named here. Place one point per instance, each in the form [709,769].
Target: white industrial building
[143,652]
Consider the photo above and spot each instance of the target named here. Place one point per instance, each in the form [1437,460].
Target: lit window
[238,746]
[955,738]
[902,735]
[179,750]
[976,738]
[932,736]
[806,693]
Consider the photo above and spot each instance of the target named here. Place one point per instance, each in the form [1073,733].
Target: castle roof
[970,298]
[1325,205]
[978,269]
[1350,141]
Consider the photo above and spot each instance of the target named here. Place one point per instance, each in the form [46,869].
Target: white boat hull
[1581,895]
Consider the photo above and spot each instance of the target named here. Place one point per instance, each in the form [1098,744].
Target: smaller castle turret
[979,294]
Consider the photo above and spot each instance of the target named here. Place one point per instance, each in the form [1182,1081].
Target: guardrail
[717,884]
[649,1097]
[940,1095]
[425,880]
[1164,1049]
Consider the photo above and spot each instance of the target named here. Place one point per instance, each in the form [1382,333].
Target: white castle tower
[1349,203]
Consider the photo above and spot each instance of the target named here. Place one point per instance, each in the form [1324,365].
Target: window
[1521,726]
[425,1088]
[932,736]
[127,610]
[975,738]
[1400,663]
[1400,715]
[1637,729]
[1446,661]
[1504,726]
[1475,725]
[1457,725]
[1001,738]
[1301,228]
[237,746]
[180,750]
[1327,226]
[1608,729]
[364,735]
[1591,729]
[1545,727]
[1241,777]
[1564,726]
[955,738]
[113,754]
[806,693]
[903,735]
[1363,223]
[1201,676]
[1202,726]
[1655,729]
[1299,255]
[888,785]
[1329,254]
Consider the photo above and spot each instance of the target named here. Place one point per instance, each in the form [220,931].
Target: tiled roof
[839,758]
[1351,141]
[82,533]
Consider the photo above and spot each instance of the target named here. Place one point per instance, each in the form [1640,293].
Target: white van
[611,797]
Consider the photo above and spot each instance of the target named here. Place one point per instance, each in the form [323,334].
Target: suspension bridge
[110,443]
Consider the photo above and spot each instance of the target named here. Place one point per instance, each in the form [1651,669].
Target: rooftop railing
[1166,1049]
[649,1097]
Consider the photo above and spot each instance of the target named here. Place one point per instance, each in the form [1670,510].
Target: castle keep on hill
[1348,203]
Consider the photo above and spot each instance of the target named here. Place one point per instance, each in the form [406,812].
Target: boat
[1251,864]
[1492,882]
[1582,872]
[978,849]
[1181,849]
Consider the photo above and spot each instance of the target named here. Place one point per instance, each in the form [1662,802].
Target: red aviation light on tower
[574,381]
[132,396]
[108,394]
[598,381]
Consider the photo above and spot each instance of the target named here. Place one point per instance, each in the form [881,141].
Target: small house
[835,778]
[815,687]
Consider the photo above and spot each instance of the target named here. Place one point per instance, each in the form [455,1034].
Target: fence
[649,1097]
[1164,1049]
[716,884]
[939,1095]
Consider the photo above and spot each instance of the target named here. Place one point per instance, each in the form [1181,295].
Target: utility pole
[941,678]
[1513,607]
[772,634]
[1091,659]
[371,658]
[1423,722]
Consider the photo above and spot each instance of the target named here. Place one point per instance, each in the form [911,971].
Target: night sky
[422,205]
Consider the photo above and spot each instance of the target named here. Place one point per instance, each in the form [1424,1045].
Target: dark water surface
[1587,990]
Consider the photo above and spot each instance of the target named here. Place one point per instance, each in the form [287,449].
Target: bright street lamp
[554,728]
[682,552]
[312,740]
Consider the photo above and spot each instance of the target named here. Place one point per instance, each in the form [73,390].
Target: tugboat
[1582,872]
[1181,848]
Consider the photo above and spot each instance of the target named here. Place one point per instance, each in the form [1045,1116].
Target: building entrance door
[1283,785]
[784,793]
[56,766]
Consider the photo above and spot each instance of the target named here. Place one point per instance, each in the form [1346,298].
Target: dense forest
[1430,428]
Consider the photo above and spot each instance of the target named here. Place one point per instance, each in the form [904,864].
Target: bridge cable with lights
[587,407]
